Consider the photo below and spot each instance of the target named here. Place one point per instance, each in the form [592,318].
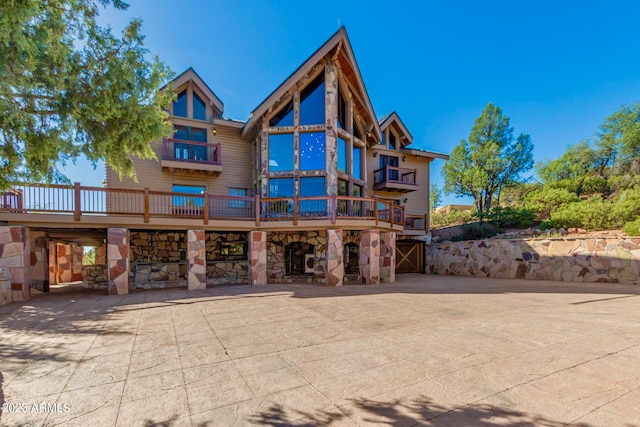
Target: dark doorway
[299,258]
[351,258]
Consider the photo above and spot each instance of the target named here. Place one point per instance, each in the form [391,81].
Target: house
[311,187]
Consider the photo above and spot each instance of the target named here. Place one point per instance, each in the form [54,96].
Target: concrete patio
[427,350]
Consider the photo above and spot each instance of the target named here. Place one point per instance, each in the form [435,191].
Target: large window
[312,103]
[199,108]
[392,141]
[186,201]
[312,151]
[190,151]
[281,152]
[342,155]
[281,187]
[238,192]
[342,110]
[180,105]
[357,162]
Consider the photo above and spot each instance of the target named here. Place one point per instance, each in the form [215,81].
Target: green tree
[619,140]
[69,87]
[491,159]
[435,196]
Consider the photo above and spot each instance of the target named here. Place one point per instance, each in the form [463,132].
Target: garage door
[409,257]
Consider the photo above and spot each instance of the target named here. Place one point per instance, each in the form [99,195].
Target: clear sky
[557,68]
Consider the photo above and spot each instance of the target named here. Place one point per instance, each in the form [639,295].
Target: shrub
[510,217]
[451,217]
[632,228]
[546,200]
[626,206]
[593,213]
[478,230]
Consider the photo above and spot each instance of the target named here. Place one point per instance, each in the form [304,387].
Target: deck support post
[118,253]
[370,257]
[196,258]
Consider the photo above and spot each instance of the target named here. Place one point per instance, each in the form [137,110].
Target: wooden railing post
[334,208]
[392,212]
[257,208]
[146,205]
[375,208]
[206,208]
[77,201]
[295,209]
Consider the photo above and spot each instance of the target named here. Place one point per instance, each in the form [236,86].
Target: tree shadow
[405,413]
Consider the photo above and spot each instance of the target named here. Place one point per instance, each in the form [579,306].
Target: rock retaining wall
[615,260]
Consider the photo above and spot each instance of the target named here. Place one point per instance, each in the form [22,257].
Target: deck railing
[394,174]
[81,201]
[416,222]
[190,151]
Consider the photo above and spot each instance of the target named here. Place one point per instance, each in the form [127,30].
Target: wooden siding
[236,161]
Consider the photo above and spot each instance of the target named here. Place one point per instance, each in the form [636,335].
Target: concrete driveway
[428,350]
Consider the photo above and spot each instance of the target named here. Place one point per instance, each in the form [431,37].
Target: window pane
[312,103]
[181,133]
[392,141]
[188,201]
[357,191]
[281,152]
[357,157]
[238,192]
[356,131]
[284,116]
[342,155]
[180,105]
[342,188]
[312,151]
[342,110]
[281,187]
[199,108]
[198,135]
[312,187]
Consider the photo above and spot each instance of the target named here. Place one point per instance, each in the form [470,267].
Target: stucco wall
[615,260]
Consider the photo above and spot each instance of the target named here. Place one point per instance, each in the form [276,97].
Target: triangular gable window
[342,110]
[199,108]
[284,117]
[312,103]
[180,105]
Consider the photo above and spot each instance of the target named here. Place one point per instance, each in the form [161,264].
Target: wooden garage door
[409,257]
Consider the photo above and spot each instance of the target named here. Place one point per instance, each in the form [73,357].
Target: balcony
[42,203]
[191,157]
[392,178]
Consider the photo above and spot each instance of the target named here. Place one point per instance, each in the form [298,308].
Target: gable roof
[338,37]
[393,117]
[190,74]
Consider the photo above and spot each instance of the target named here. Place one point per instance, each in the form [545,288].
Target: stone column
[370,257]
[196,257]
[64,263]
[15,260]
[39,260]
[335,262]
[118,260]
[331,133]
[77,255]
[257,257]
[53,264]
[388,257]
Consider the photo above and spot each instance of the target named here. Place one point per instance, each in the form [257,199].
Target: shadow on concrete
[405,413]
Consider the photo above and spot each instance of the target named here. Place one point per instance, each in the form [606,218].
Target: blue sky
[557,69]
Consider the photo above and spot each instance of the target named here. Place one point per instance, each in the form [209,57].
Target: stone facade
[388,257]
[64,263]
[277,244]
[370,257]
[15,260]
[118,260]
[95,276]
[335,261]
[39,260]
[196,258]
[257,258]
[231,272]
[614,260]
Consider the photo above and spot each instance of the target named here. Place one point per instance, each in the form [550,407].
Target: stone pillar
[101,255]
[65,273]
[370,257]
[388,257]
[335,262]
[331,133]
[39,260]
[197,261]
[118,260]
[15,260]
[53,263]
[257,257]
[77,255]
